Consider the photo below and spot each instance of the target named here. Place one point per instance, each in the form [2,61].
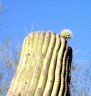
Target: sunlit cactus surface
[44,66]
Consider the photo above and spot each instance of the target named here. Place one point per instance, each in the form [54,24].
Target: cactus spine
[44,67]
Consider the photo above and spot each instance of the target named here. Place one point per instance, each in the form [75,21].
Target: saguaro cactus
[44,67]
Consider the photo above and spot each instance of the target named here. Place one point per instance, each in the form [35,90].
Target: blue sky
[22,16]
[52,15]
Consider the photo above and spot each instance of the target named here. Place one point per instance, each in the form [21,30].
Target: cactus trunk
[44,67]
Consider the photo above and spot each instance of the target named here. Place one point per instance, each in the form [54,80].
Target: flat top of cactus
[66,33]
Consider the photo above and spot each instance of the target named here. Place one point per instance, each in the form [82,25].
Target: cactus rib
[66,75]
[32,64]
[58,69]
[20,67]
[51,71]
[44,71]
[36,71]
[28,66]
[62,85]
[69,69]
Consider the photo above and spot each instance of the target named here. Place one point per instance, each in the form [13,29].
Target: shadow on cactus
[44,66]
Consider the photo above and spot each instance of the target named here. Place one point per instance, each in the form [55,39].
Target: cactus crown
[66,33]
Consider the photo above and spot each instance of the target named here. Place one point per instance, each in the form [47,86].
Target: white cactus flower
[66,33]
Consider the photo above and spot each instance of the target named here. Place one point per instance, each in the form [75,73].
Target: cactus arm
[58,69]
[51,72]
[36,71]
[44,71]
[62,85]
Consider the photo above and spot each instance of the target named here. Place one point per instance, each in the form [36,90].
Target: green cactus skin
[51,72]
[38,66]
[22,67]
[44,71]
[44,66]
[69,70]
[61,93]
[19,68]
[28,66]
[66,75]
[32,63]
[44,49]
[58,68]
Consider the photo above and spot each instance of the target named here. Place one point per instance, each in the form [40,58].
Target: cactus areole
[44,66]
